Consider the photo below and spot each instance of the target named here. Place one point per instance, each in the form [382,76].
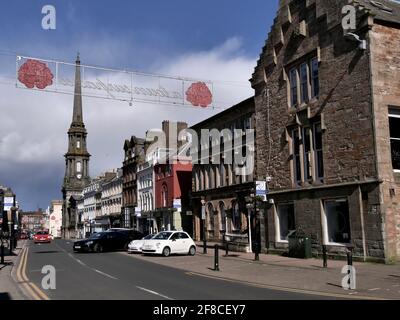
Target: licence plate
[77,247]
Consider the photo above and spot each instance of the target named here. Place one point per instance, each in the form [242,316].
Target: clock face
[79,176]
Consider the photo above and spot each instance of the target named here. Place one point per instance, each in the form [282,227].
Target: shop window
[285,221]
[337,220]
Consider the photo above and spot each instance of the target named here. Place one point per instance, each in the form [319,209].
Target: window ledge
[337,244]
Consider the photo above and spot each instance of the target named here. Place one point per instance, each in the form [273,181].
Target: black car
[103,241]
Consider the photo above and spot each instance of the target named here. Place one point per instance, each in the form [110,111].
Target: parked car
[130,233]
[23,236]
[41,237]
[135,246]
[103,241]
[170,242]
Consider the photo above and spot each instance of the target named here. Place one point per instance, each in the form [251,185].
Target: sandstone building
[327,118]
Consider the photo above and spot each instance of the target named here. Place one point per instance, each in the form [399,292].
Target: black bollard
[256,253]
[2,252]
[324,256]
[216,258]
[350,257]
[350,265]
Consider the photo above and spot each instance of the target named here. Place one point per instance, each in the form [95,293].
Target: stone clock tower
[76,162]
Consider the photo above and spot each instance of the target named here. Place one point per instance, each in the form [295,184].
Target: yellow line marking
[285,289]
[32,289]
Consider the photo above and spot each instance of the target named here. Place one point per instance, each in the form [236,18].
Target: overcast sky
[215,40]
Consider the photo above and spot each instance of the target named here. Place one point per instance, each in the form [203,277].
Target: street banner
[131,86]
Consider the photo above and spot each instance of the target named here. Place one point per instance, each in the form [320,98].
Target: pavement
[9,289]
[373,281]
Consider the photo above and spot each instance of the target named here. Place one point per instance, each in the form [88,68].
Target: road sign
[178,205]
[261,188]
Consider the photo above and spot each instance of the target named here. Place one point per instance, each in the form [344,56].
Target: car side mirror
[173,239]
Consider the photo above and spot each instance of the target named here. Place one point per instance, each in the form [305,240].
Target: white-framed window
[284,221]
[394,128]
[78,167]
[336,222]
[78,144]
[293,87]
[307,143]
[314,77]
[304,83]
[296,156]
[318,153]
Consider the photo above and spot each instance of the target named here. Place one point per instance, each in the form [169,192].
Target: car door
[184,242]
[174,243]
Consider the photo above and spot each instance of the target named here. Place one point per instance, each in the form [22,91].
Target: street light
[203,217]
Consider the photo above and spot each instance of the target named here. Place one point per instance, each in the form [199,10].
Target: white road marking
[105,274]
[80,262]
[374,289]
[155,293]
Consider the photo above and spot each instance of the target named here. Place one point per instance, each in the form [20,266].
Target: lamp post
[203,217]
[249,207]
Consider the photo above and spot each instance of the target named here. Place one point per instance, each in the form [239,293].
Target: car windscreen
[42,233]
[162,236]
[148,237]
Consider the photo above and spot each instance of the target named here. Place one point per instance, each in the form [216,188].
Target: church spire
[77,117]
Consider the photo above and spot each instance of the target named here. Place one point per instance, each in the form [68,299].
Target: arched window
[78,167]
[236,216]
[210,217]
[223,216]
[164,196]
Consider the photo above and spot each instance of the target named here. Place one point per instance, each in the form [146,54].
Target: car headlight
[89,243]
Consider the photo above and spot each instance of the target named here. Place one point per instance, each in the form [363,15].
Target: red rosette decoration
[34,73]
[199,94]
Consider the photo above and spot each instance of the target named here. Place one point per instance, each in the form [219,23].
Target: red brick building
[172,187]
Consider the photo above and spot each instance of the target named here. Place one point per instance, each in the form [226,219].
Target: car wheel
[192,251]
[98,248]
[166,252]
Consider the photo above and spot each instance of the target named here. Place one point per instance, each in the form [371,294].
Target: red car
[41,237]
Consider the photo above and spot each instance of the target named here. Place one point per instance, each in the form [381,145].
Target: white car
[135,246]
[170,242]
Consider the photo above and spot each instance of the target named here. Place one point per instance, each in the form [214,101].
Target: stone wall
[385,60]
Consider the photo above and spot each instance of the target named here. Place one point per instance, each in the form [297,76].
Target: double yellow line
[29,286]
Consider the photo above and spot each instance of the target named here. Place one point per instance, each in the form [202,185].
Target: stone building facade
[327,114]
[223,191]
[133,157]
